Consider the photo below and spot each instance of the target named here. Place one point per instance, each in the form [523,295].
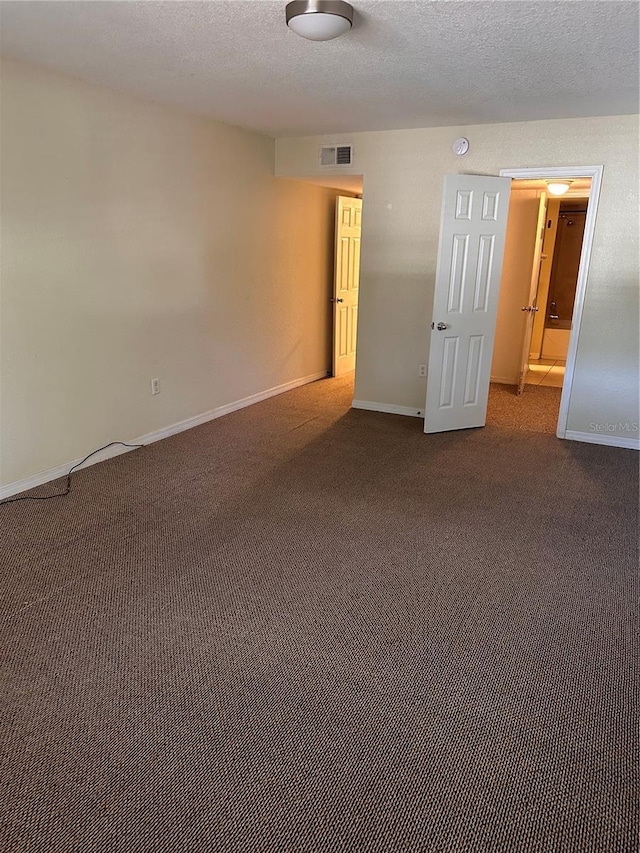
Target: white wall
[403,173]
[141,242]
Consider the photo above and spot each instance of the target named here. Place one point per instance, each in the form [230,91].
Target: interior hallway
[302,627]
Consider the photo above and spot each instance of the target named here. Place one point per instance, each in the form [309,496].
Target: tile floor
[546,371]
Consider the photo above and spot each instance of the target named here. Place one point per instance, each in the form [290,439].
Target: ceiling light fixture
[319,20]
[558,187]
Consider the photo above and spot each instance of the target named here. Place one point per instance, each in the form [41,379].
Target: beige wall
[140,242]
[403,174]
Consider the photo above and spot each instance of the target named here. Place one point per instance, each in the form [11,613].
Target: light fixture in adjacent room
[558,187]
[319,20]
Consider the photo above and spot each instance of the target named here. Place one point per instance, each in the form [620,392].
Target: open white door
[346,283]
[468,272]
[531,307]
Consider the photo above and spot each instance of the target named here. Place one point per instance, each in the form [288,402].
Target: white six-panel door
[346,283]
[469,267]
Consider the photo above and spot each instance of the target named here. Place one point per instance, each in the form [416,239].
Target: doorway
[339,238]
[555,301]
[555,297]
[464,347]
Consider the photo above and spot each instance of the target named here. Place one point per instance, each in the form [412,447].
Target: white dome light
[319,20]
[558,187]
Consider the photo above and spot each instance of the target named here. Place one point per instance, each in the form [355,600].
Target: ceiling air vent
[336,155]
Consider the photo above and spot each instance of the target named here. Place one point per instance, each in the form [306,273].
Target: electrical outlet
[422,370]
[155,386]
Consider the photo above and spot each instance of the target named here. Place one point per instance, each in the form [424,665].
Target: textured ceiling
[404,64]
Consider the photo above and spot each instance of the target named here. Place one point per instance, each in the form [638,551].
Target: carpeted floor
[535,411]
[313,629]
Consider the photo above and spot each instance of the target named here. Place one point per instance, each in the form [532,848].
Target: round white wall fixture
[319,20]
[460,146]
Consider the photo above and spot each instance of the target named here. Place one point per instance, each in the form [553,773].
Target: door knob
[531,308]
[336,300]
[441,327]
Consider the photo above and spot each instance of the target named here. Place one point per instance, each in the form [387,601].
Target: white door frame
[595,173]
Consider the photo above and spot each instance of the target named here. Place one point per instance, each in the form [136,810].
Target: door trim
[595,173]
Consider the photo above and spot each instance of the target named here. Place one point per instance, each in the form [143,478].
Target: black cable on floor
[71,470]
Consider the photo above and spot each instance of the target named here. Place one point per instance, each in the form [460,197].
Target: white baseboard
[501,380]
[387,408]
[181,426]
[606,439]
[61,470]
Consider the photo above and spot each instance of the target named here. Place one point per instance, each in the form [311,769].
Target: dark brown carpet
[304,628]
[535,411]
